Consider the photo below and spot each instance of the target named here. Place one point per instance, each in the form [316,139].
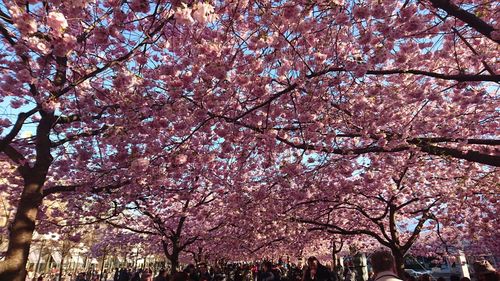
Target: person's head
[426,277]
[190,269]
[313,263]
[267,266]
[465,279]
[485,271]
[179,276]
[382,261]
[202,267]
[454,277]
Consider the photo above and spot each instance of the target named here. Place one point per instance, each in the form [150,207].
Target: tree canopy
[256,124]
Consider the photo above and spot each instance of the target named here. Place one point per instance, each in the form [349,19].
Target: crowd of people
[382,269]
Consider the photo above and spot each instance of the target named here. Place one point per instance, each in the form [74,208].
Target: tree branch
[110,64]
[457,77]
[14,155]
[17,127]
[131,228]
[6,34]
[473,21]
[82,135]
[469,155]
[334,229]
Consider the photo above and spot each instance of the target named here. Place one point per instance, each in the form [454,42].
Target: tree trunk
[85,264]
[40,254]
[399,263]
[334,261]
[173,258]
[77,263]
[61,267]
[13,268]
[102,266]
[174,262]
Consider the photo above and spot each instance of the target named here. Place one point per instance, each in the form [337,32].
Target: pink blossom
[69,42]
[495,35]
[218,71]
[37,45]
[379,11]
[408,11]
[51,105]
[5,122]
[26,24]
[365,38]
[42,47]
[320,57]
[24,76]
[140,164]
[16,103]
[203,12]
[350,65]
[361,12]
[57,22]
[360,70]
[290,11]
[140,6]
[101,36]
[183,15]
[181,159]
[342,18]
[413,24]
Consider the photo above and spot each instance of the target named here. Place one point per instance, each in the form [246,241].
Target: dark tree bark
[472,20]
[61,267]
[102,266]
[175,265]
[23,226]
[399,262]
[21,232]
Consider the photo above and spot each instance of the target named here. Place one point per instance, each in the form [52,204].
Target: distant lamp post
[40,253]
[4,219]
[43,239]
[337,246]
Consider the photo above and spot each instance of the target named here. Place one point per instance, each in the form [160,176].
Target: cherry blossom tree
[174,231]
[67,71]
[172,213]
[396,205]
[101,89]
